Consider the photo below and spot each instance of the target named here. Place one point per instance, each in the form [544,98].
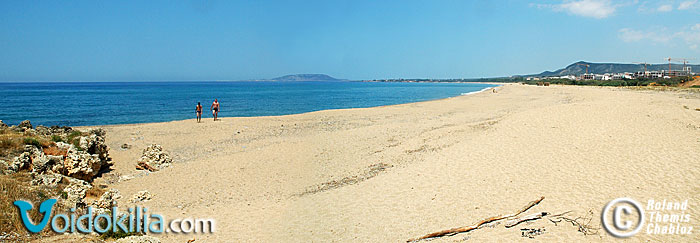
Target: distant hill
[306,77]
[602,68]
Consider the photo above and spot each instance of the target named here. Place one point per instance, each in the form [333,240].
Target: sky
[239,40]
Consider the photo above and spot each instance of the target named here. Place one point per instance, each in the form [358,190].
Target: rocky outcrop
[2,125]
[25,159]
[25,125]
[95,144]
[138,239]
[141,196]
[83,162]
[21,162]
[98,132]
[108,199]
[74,194]
[86,161]
[50,180]
[80,164]
[3,165]
[66,166]
[16,128]
[154,158]
[63,146]
[56,163]
[42,130]
[60,130]
[41,163]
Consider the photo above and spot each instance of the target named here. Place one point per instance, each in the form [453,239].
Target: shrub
[56,138]
[76,143]
[74,138]
[74,134]
[110,234]
[32,141]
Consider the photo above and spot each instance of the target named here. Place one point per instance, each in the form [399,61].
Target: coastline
[230,117]
[148,102]
[391,173]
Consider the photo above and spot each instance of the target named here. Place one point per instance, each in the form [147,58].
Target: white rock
[50,180]
[81,165]
[108,199]
[75,193]
[154,158]
[95,144]
[141,196]
[21,162]
[63,146]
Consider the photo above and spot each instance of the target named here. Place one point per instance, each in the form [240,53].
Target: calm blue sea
[99,103]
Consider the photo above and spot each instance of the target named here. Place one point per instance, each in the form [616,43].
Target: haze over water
[101,103]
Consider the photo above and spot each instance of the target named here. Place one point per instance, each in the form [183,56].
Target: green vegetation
[12,142]
[623,82]
[74,138]
[110,234]
[73,135]
[675,81]
[31,141]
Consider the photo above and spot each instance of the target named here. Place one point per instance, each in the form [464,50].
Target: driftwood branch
[530,217]
[477,225]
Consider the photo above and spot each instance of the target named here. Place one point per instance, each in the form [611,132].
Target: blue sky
[235,40]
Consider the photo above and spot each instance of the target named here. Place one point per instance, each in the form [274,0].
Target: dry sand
[387,174]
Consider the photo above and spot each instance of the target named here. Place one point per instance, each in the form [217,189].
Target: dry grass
[12,143]
[53,150]
[17,187]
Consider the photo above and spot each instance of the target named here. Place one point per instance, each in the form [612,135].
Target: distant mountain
[602,68]
[306,77]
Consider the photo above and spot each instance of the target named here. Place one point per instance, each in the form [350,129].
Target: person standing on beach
[215,109]
[199,112]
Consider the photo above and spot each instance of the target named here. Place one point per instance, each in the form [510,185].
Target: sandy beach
[388,174]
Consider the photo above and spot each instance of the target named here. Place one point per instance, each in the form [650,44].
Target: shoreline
[232,117]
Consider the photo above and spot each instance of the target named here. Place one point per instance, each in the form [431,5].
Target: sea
[103,103]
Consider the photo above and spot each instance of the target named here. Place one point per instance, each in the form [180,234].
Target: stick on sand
[470,228]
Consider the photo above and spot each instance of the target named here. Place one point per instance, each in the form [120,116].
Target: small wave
[474,92]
